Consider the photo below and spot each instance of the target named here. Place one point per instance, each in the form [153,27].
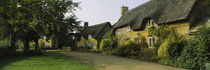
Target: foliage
[169,42]
[175,44]
[5,47]
[83,48]
[162,51]
[194,54]
[143,42]
[161,32]
[27,19]
[108,34]
[107,45]
[130,49]
[174,49]
[32,44]
[5,44]
[154,59]
[190,53]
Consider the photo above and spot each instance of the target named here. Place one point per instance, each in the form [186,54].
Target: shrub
[130,49]
[5,44]
[5,47]
[83,48]
[170,42]
[175,45]
[162,50]
[107,45]
[32,44]
[194,53]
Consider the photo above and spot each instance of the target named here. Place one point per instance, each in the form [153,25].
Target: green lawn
[44,62]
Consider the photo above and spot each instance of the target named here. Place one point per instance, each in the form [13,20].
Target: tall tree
[39,17]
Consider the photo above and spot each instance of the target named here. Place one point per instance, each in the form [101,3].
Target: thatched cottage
[184,15]
[91,36]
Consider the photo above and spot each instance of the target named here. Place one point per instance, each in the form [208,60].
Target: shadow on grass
[46,61]
[8,60]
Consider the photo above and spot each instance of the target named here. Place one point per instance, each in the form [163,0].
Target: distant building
[91,36]
[45,42]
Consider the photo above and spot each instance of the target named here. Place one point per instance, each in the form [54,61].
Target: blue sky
[99,11]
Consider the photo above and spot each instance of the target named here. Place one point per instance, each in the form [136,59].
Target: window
[117,31]
[151,23]
[127,38]
[128,29]
[151,40]
[89,36]
[136,40]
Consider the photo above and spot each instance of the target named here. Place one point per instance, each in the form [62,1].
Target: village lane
[108,62]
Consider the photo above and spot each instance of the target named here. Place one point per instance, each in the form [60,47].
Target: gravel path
[107,62]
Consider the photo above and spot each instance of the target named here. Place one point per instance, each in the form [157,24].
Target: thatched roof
[97,31]
[200,13]
[161,11]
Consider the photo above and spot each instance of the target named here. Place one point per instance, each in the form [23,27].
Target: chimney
[124,9]
[85,25]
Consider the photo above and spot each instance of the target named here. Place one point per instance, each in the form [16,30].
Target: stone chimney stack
[124,9]
[85,25]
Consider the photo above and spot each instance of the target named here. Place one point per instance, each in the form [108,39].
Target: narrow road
[107,62]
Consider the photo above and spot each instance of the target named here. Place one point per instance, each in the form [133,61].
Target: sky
[99,11]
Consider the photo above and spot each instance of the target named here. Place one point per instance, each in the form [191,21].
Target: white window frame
[150,45]
[151,23]
[136,40]
[128,29]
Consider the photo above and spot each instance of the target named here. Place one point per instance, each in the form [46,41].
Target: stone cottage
[91,36]
[184,15]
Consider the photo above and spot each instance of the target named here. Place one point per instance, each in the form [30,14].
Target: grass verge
[47,61]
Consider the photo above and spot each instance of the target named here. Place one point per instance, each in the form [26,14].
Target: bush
[107,45]
[162,50]
[194,53]
[175,50]
[130,49]
[5,47]
[84,48]
[32,44]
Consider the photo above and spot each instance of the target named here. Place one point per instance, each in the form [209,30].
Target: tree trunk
[36,46]
[13,48]
[26,46]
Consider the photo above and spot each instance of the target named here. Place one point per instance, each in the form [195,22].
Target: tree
[69,25]
[29,19]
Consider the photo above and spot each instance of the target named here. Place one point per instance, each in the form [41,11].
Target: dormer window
[128,29]
[150,23]
[89,36]
[82,37]
[117,31]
